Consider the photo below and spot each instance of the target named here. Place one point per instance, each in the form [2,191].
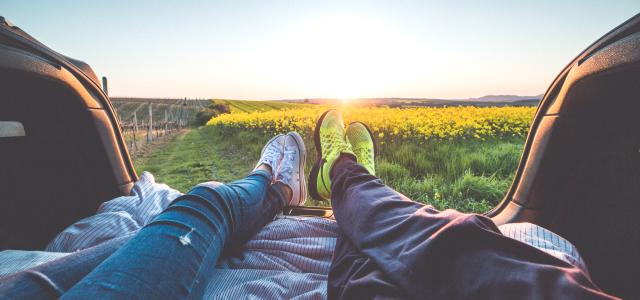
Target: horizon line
[334,98]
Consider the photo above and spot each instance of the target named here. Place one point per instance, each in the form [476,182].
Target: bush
[221,108]
[214,110]
[203,116]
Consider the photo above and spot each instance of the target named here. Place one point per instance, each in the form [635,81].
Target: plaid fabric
[544,240]
[12,261]
[117,217]
[289,258]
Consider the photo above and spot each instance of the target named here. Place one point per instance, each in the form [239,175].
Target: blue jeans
[173,256]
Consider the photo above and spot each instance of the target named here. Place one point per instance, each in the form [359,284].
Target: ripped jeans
[173,256]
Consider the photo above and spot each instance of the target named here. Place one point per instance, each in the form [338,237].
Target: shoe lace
[287,166]
[333,142]
[271,155]
[364,153]
[365,156]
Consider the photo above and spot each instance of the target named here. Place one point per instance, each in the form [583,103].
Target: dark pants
[170,258]
[392,247]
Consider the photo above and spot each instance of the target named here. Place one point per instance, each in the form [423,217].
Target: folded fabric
[288,258]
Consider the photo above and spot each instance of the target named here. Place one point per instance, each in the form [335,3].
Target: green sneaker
[363,145]
[330,143]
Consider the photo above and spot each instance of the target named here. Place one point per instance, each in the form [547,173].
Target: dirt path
[159,143]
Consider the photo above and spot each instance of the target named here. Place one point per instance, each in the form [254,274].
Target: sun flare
[341,57]
[345,101]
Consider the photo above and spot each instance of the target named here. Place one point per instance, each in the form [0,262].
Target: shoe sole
[303,159]
[315,170]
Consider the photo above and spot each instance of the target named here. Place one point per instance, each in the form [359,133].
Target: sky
[321,49]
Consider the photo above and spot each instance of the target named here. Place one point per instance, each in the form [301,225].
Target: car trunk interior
[67,161]
[581,172]
[579,176]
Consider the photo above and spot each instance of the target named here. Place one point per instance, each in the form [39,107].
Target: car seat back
[61,153]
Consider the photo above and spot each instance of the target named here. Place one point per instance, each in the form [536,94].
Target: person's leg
[449,254]
[422,251]
[353,275]
[165,257]
[171,256]
[50,280]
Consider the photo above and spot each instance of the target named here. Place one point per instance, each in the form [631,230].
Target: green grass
[470,176]
[194,157]
[200,155]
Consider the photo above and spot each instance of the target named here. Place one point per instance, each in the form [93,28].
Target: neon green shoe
[330,143]
[363,145]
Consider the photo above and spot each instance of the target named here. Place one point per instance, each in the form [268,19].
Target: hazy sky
[310,49]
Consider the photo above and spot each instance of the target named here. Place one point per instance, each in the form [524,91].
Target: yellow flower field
[450,157]
[391,124]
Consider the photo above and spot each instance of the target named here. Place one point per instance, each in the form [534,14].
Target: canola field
[420,125]
[460,157]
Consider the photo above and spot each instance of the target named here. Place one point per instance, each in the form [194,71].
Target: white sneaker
[272,154]
[291,172]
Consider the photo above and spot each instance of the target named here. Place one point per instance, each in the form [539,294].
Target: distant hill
[489,100]
[127,106]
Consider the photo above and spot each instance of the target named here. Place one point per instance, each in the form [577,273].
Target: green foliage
[470,176]
[391,171]
[198,156]
[221,108]
[214,110]
[203,116]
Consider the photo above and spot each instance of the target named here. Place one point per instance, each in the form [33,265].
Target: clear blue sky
[307,49]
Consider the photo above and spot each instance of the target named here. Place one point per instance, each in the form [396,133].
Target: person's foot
[272,154]
[363,145]
[330,142]
[291,172]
